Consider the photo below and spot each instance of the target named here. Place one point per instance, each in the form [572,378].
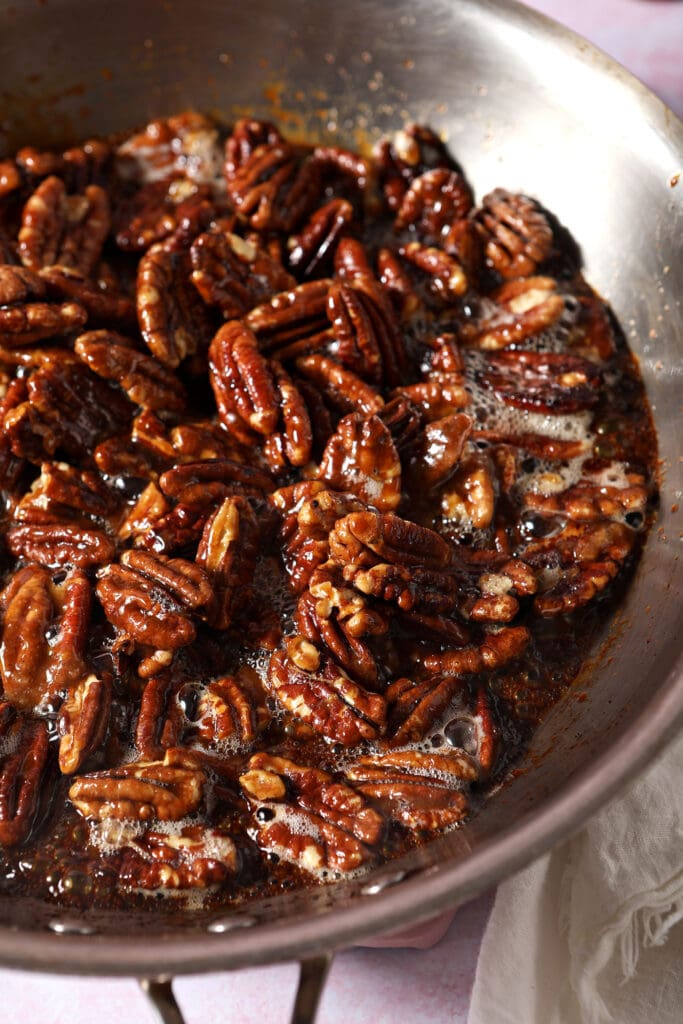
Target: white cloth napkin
[593,932]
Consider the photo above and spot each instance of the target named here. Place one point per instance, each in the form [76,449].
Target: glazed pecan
[235,275]
[68,230]
[412,151]
[294,321]
[24,655]
[145,380]
[227,551]
[419,790]
[196,858]
[83,721]
[345,390]
[578,563]
[314,821]
[56,545]
[436,452]
[361,458]
[603,494]
[64,494]
[547,382]
[24,315]
[356,343]
[446,277]
[525,308]
[173,319]
[433,202]
[144,451]
[174,211]
[150,598]
[68,408]
[185,144]
[353,268]
[22,778]
[496,649]
[338,618]
[469,497]
[257,396]
[161,721]
[310,512]
[413,706]
[232,709]
[319,692]
[270,191]
[311,250]
[102,305]
[516,234]
[140,791]
[247,134]
[206,482]
[364,538]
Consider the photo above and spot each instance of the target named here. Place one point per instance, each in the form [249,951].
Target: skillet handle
[312,977]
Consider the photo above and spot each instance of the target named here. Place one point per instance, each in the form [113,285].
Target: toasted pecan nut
[232,709]
[361,458]
[26,315]
[294,321]
[433,202]
[525,308]
[270,191]
[28,611]
[173,319]
[412,151]
[227,551]
[161,722]
[516,233]
[58,544]
[64,494]
[351,319]
[312,249]
[235,275]
[150,598]
[326,825]
[185,144]
[447,278]
[548,382]
[83,721]
[146,381]
[102,306]
[496,649]
[68,230]
[141,791]
[324,696]
[469,497]
[22,778]
[413,706]
[364,538]
[210,480]
[196,858]
[345,390]
[437,451]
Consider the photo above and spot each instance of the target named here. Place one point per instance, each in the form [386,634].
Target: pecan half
[83,721]
[150,598]
[437,451]
[516,233]
[210,480]
[496,649]
[102,305]
[542,381]
[364,538]
[173,319]
[525,308]
[145,380]
[227,551]
[232,709]
[25,314]
[184,144]
[294,321]
[28,611]
[345,390]
[235,275]
[433,202]
[257,396]
[320,693]
[22,778]
[161,721]
[446,276]
[361,458]
[196,858]
[412,151]
[311,250]
[68,230]
[417,789]
[314,821]
[141,791]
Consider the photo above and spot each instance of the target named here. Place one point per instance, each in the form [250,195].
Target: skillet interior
[524,105]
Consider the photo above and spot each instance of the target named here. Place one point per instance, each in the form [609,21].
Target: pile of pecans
[313,474]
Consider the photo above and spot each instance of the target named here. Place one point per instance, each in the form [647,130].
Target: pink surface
[385,986]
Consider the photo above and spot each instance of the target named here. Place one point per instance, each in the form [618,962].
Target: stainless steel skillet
[526,105]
